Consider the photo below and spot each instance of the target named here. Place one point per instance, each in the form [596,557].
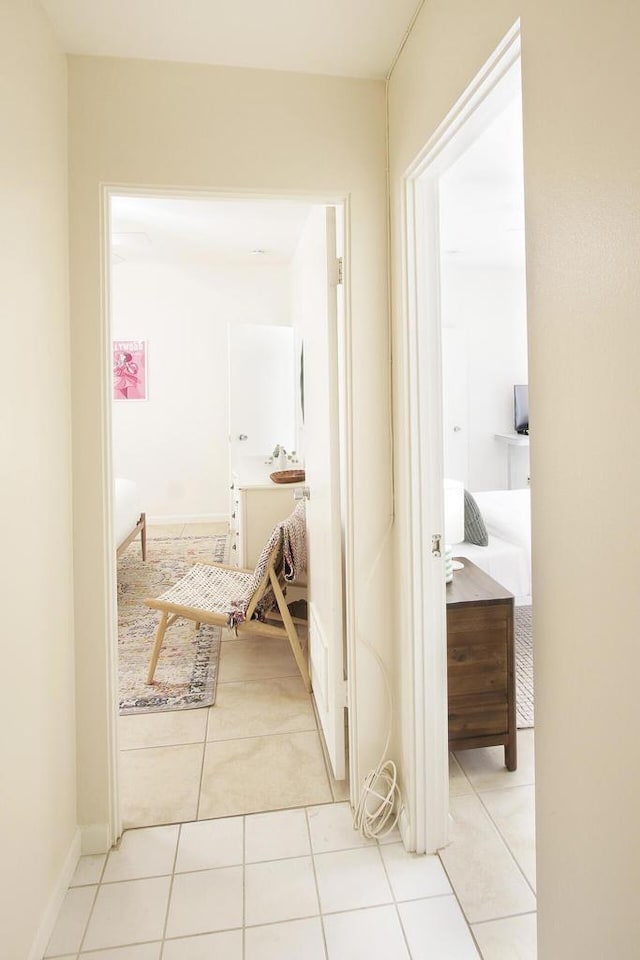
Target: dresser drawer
[477,668]
[477,716]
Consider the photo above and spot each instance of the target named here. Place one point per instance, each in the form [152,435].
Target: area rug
[524,667]
[187,670]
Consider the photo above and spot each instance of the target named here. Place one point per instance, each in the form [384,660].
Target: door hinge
[339,270]
[342,694]
[436,545]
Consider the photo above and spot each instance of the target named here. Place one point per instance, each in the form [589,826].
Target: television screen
[521,407]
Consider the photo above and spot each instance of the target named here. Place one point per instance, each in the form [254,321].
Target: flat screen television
[521,408]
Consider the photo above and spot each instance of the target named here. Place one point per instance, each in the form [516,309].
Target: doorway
[437,234]
[181,502]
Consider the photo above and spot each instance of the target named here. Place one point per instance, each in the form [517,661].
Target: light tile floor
[299,883]
[258,748]
[490,860]
[292,884]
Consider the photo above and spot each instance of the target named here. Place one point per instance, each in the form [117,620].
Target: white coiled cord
[378,808]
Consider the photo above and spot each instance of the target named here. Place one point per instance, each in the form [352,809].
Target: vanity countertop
[254,472]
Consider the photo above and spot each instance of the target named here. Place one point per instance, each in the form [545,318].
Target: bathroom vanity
[257,504]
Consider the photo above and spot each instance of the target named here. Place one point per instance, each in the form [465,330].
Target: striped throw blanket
[289,539]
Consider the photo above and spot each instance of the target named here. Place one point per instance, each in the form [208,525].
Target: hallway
[301,883]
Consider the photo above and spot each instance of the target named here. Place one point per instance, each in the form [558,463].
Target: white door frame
[345,404]
[481,102]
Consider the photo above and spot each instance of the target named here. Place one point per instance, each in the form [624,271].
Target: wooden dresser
[480,663]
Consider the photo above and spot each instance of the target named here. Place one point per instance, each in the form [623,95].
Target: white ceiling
[231,231]
[482,196]
[354,38]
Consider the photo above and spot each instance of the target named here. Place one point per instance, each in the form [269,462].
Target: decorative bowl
[287,476]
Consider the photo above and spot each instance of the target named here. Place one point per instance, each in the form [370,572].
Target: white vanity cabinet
[257,505]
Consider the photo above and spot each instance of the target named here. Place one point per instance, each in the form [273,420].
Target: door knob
[243,436]
[457,429]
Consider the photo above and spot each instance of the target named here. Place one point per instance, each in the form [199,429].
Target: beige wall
[142,122]
[581,75]
[37,734]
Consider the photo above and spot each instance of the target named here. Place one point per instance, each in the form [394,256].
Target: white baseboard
[188,518]
[51,911]
[96,838]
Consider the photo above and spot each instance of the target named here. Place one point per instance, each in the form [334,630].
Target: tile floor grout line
[173,873]
[459,902]
[193,936]
[315,880]
[506,786]
[504,840]
[270,923]
[201,778]
[262,736]
[206,739]
[244,884]
[475,793]
[162,746]
[288,676]
[90,915]
[232,816]
[104,865]
[395,903]
[333,913]
[279,676]
[123,946]
[508,916]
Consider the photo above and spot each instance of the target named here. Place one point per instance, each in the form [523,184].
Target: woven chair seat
[211,589]
[242,599]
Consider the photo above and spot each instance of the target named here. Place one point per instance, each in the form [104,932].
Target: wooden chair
[222,595]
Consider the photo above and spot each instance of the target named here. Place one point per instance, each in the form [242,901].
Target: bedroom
[207,290]
[485,369]
[484,342]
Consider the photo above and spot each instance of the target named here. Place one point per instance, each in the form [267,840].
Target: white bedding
[128,507]
[507,558]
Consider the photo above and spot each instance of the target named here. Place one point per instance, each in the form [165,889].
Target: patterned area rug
[187,670]
[524,667]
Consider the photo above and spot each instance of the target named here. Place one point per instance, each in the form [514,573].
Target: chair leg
[162,626]
[289,626]
[143,535]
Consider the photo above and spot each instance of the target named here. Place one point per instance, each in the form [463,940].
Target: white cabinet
[257,504]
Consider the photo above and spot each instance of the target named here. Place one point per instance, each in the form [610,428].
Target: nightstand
[480,663]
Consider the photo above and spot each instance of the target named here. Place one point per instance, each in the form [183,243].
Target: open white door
[315,280]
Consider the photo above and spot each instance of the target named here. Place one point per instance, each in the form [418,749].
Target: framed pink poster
[129,370]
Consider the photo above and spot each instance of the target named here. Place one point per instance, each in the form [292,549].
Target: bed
[507,558]
[129,518]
